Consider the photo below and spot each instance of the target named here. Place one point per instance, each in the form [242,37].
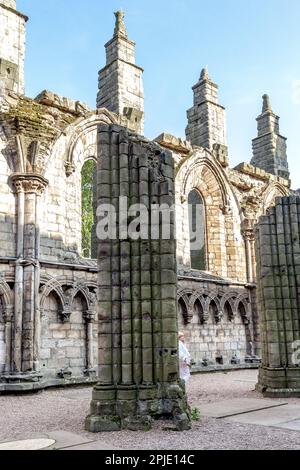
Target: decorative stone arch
[218,313]
[271,192]
[51,286]
[243,309]
[229,298]
[6,294]
[245,302]
[66,290]
[199,162]
[84,137]
[223,214]
[184,310]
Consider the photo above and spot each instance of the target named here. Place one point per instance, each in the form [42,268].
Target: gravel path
[53,410]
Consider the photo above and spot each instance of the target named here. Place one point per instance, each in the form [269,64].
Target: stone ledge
[16,12]
[27,386]
[174,143]
[48,98]
[258,173]
[222,368]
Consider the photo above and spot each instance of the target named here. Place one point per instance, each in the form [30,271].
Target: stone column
[249,239]
[8,319]
[138,332]
[19,280]
[89,317]
[29,188]
[278,282]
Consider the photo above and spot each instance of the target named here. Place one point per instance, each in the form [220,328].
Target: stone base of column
[135,407]
[279,383]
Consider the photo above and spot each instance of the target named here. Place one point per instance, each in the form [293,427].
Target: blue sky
[250,48]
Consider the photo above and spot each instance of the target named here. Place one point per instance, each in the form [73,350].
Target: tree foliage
[87,197]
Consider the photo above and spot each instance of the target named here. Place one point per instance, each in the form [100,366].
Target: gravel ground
[53,410]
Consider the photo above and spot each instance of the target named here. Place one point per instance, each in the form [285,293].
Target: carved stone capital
[29,183]
[248,229]
[65,315]
[89,315]
[8,314]
[219,316]
[70,168]
[204,317]
[248,235]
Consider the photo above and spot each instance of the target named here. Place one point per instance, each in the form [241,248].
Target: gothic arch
[243,301]
[223,214]
[271,192]
[6,294]
[229,297]
[52,285]
[66,290]
[85,132]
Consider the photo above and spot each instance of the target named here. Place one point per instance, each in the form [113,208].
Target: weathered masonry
[48,267]
[278,254]
[138,330]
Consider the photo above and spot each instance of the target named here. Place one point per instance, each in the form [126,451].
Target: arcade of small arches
[65,332]
[218,325]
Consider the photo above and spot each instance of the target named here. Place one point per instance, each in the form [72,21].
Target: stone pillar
[137,308]
[29,188]
[278,280]
[89,317]
[8,319]
[249,239]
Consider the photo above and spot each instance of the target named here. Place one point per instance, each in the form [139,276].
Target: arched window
[88,203]
[197,231]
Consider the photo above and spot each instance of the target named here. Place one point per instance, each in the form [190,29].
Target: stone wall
[278,273]
[217,320]
[64,345]
[12,46]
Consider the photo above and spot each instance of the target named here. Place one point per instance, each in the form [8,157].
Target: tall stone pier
[137,307]
[278,269]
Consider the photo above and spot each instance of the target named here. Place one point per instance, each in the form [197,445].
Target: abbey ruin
[49,318]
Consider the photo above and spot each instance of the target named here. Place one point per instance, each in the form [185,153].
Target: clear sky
[251,47]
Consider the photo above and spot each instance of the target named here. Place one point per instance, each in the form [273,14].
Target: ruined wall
[278,276]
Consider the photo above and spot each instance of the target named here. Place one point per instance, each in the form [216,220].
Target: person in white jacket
[184,359]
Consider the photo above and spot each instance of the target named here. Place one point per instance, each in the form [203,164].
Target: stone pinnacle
[266,104]
[120,28]
[204,74]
